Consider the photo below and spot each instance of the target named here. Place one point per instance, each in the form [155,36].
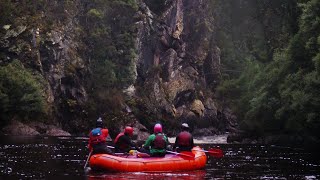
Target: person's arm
[166,139]
[127,140]
[149,141]
[105,132]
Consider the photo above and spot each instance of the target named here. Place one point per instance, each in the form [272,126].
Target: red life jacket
[117,138]
[96,136]
[159,142]
[184,139]
[120,144]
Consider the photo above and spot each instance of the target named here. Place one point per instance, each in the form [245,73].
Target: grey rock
[16,128]
[14,32]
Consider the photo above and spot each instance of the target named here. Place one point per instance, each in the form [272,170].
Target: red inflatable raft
[169,163]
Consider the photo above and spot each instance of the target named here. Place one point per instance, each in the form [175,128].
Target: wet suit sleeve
[149,141]
[166,139]
[105,132]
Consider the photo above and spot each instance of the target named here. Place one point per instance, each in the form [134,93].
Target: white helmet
[185,125]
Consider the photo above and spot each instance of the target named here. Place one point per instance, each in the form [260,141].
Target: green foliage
[94,14]
[31,13]
[6,9]
[111,34]
[281,95]
[112,43]
[104,76]
[251,29]
[20,93]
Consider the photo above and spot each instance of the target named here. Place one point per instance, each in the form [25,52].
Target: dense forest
[269,62]
[274,48]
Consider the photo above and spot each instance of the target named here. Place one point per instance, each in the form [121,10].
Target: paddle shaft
[85,165]
[182,154]
[172,152]
[111,147]
[214,152]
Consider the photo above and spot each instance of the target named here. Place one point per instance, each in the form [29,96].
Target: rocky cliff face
[177,68]
[179,65]
[47,41]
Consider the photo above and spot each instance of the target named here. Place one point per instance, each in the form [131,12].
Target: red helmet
[128,130]
[157,128]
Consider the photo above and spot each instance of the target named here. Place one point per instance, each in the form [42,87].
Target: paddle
[111,147]
[188,155]
[85,165]
[218,153]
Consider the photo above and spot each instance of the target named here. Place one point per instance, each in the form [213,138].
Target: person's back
[98,139]
[123,141]
[184,140]
[157,142]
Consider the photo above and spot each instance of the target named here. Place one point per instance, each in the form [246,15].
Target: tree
[21,94]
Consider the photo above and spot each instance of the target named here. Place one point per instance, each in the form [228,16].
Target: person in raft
[156,143]
[184,140]
[98,139]
[123,141]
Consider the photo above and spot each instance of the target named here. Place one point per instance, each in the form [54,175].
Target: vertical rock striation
[179,65]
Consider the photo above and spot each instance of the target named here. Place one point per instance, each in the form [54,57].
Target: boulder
[197,107]
[49,130]
[16,128]
[141,132]
[55,131]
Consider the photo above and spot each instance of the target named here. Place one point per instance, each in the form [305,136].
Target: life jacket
[96,136]
[184,139]
[159,142]
[117,138]
[119,144]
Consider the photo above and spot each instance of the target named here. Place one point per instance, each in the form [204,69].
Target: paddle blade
[218,153]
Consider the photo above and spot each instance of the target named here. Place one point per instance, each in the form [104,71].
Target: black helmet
[99,123]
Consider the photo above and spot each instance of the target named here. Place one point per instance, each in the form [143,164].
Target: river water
[64,158]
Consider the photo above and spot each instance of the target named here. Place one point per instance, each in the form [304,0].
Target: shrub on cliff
[20,93]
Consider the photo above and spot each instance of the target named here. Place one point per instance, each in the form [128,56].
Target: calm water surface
[64,158]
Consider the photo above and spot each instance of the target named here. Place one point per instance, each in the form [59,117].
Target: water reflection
[64,157]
